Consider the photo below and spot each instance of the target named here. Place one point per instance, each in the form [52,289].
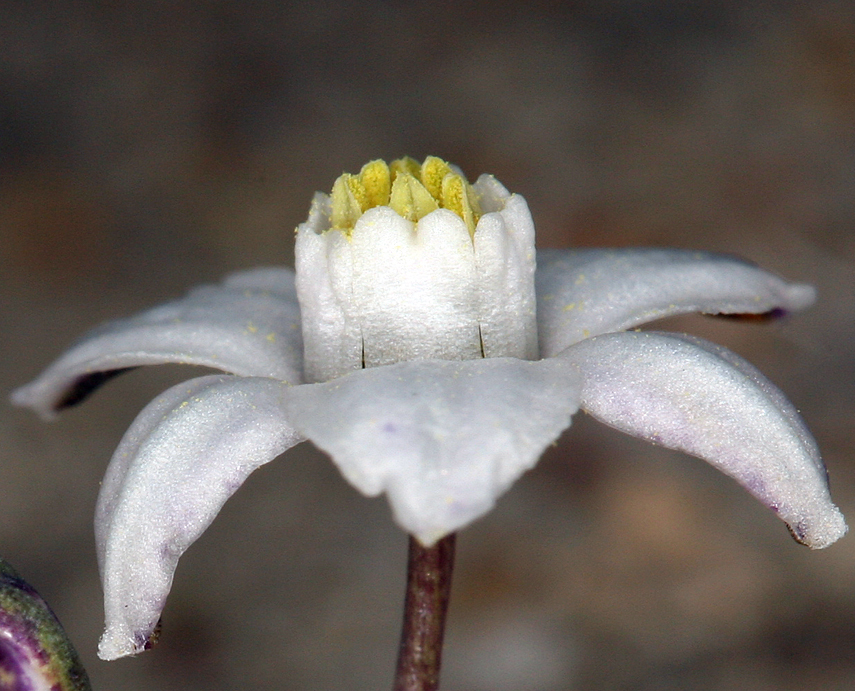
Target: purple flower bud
[35,654]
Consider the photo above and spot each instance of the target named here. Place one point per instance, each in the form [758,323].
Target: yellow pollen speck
[271,337]
[411,189]
[569,307]
[252,328]
[580,279]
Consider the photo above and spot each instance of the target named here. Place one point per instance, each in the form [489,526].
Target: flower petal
[391,290]
[443,439]
[688,394]
[505,262]
[265,279]
[249,325]
[413,287]
[183,457]
[332,341]
[584,293]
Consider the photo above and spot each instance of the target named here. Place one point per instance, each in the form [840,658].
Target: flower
[420,348]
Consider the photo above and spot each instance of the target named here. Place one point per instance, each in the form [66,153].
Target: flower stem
[428,588]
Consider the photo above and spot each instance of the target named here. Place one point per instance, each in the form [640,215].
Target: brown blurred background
[147,147]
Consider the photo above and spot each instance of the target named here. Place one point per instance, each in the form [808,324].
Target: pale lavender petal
[271,279]
[183,457]
[443,439]
[685,393]
[584,293]
[249,325]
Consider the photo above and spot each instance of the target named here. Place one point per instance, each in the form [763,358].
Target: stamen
[411,189]
[434,171]
[458,196]
[406,165]
[410,199]
[357,189]
[377,182]
[346,210]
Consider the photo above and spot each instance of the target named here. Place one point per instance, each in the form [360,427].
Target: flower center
[408,261]
[410,189]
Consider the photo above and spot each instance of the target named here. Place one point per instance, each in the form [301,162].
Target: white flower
[415,365]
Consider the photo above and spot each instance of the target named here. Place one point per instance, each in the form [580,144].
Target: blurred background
[148,147]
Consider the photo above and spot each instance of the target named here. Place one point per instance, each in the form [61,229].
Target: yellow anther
[410,199]
[377,182]
[405,165]
[357,189]
[434,171]
[411,189]
[458,196]
[346,209]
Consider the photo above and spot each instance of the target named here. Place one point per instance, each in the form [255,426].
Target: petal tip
[21,396]
[800,296]
[819,532]
[115,644]
[27,396]
[51,393]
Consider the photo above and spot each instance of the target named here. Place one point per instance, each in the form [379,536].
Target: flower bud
[35,653]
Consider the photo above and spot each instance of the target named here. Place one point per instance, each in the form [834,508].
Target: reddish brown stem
[429,572]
